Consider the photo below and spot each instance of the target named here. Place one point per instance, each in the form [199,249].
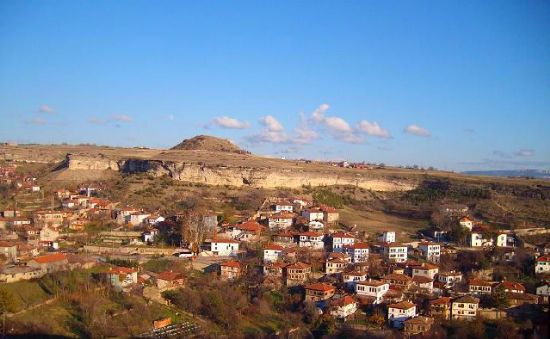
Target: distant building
[465,308]
[388,237]
[430,251]
[319,292]
[359,252]
[417,325]
[543,264]
[343,307]
[374,289]
[400,312]
[394,252]
[224,247]
[341,239]
[297,274]
[272,252]
[230,270]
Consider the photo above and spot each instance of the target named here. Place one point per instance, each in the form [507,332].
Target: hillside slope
[209,143]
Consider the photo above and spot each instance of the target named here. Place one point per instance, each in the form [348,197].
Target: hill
[209,143]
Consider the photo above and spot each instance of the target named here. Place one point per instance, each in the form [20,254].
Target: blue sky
[452,84]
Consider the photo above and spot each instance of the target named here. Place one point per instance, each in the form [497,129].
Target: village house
[479,286]
[423,283]
[280,220]
[465,308]
[388,237]
[399,312]
[518,299]
[417,325]
[284,238]
[8,250]
[247,231]
[297,274]
[352,278]
[373,289]
[430,251]
[154,219]
[502,240]
[311,239]
[449,279]
[230,270]
[511,287]
[394,252]
[49,218]
[138,218]
[441,308]
[466,223]
[330,215]
[343,307]
[542,264]
[477,239]
[313,214]
[274,269]
[317,226]
[272,252]
[425,269]
[48,234]
[169,280]
[341,239]
[122,277]
[398,280]
[336,264]
[283,206]
[543,292]
[359,252]
[224,247]
[18,273]
[49,262]
[319,292]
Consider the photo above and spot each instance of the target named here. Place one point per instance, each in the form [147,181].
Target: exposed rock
[209,143]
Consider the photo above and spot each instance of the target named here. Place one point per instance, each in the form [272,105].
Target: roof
[403,305]
[358,246]
[6,244]
[169,276]
[397,276]
[49,258]
[355,273]
[479,282]
[121,270]
[333,255]
[543,258]
[320,287]
[344,301]
[419,320]
[298,265]
[467,299]
[311,234]
[421,279]
[225,241]
[448,274]
[342,235]
[465,219]
[374,283]
[511,285]
[426,266]
[231,263]
[283,215]
[250,226]
[392,244]
[441,301]
[273,247]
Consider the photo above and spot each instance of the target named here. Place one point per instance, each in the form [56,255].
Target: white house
[543,292]
[477,240]
[137,218]
[316,225]
[154,219]
[352,278]
[272,252]
[388,236]
[313,214]
[48,234]
[543,264]
[449,279]
[465,308]
[502,240]
[394,252]
[280,220]
[341,239]
[311,239]
[399,312]
[430,251]
[466,223]
[224,247]
[343,307]
[284,206]
[374,289]
[425,270]
[359,252]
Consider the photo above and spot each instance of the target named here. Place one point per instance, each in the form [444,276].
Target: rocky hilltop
[209,143]
[204,166]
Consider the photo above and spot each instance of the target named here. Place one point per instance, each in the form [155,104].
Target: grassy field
[374,222]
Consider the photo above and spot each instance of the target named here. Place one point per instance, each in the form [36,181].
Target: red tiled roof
[320,287]
[121,270]
[543,258]
[374,283]
[49,258]
[403,305]
[358,246]
[250,226]
[231,263]
[346,300]
[397,276]
[421,279]
[273,247]
[298,265]
[169,276]
[311,234]
[225,241]
[511,285]
[342,235]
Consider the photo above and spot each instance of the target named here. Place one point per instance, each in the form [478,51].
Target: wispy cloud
[274,132]
[417,131]
[230,123]
[46,109]
[122,118]
[304,133]
[373,129]
[525,152]
[96,121]
[337,127]
[271,123]
[36,121]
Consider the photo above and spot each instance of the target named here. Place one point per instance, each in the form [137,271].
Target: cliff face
[197,172]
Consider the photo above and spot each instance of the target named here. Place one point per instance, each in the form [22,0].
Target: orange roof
[311,234]
[49,258]
[421,279]
[298,265]
[346,300]
[479,282]
[403,305]
[397,276]
[511,285]
[273,247]
[358,246]
[225,241]
[283,215]
[465,219]
[374,283]
[342,235]
[544,258]
[320,287]
[441,301]
[169,276]
[121,270]
[250,226]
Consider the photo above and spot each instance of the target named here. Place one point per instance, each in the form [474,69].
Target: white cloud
[525,152]
[417,130]
[231,123]
[271,123]
[46,109]
[304,133]
[373,129]
[337,127]
[122,118]
[319,113]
